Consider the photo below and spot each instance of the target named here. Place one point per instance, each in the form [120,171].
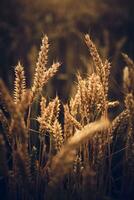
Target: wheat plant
[73,158]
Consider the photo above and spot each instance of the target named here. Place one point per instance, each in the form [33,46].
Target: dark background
[23,23]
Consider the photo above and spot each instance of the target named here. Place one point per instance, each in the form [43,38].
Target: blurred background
[110,24]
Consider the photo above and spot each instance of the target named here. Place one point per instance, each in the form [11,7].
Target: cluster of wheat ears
[73,158]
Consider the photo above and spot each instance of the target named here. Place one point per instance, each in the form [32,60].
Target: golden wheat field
[74,158]
[66,100]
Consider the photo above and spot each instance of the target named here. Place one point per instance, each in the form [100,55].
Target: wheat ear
[103,70]
[40,66]
[19,84]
